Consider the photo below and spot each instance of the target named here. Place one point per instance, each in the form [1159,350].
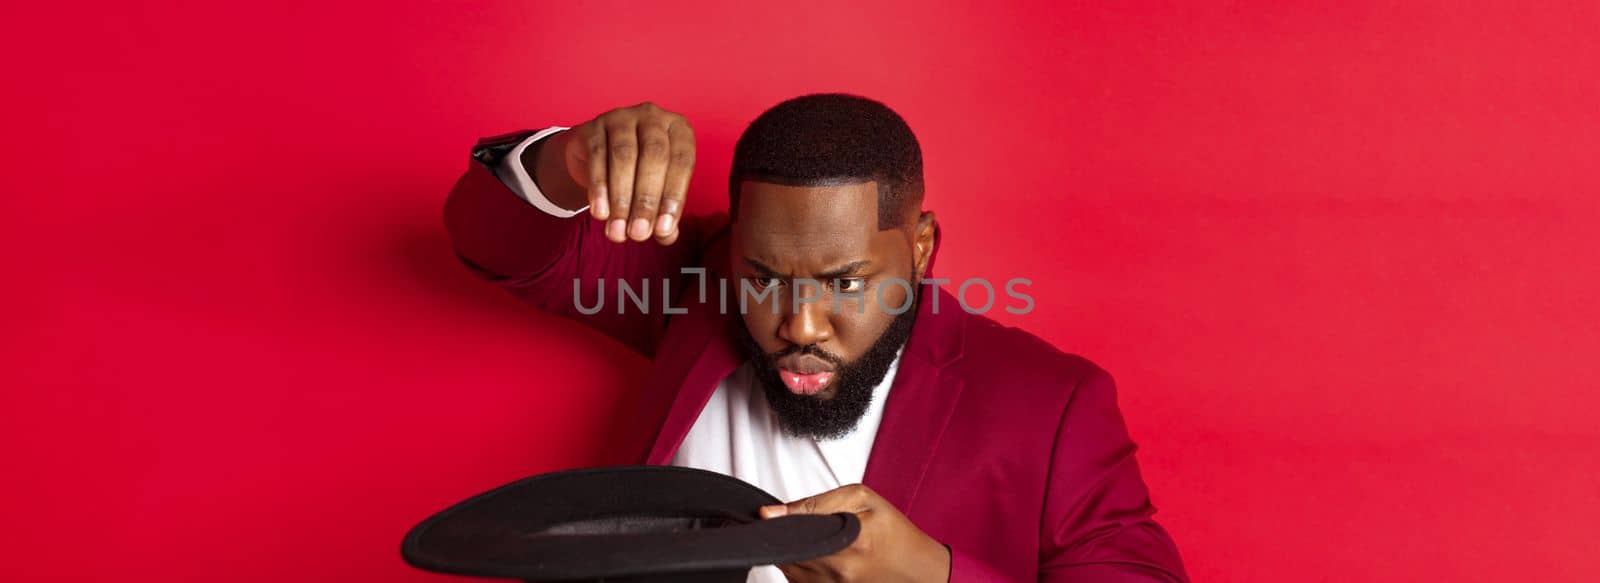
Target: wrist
[533,158]
[545,162]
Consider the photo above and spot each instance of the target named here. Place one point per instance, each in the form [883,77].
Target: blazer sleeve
[966,568]
[543,259]
[1098,523]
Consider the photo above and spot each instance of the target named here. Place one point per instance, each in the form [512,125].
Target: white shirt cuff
[512,173]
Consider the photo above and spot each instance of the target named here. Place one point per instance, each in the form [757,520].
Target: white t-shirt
[737,434]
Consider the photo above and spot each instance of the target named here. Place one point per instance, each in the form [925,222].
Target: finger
[668,238]
[622,145]
[851,498]
[647,184]
[592,142]
[680,165]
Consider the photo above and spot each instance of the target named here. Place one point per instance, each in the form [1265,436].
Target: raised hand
[631,165]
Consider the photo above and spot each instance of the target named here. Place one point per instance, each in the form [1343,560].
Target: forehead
[809,224]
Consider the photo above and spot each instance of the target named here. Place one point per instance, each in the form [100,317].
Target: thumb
[802,506]
[851,498]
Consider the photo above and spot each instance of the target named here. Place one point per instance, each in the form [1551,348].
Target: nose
[806,323]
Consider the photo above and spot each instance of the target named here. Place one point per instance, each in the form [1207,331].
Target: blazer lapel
[923,397]
[714,361]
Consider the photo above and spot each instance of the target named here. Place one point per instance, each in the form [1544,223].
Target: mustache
[810,349]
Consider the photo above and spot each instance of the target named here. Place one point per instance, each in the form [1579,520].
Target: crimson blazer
[997,444]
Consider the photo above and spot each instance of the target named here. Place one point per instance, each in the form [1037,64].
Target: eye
[851,285]
[766,282]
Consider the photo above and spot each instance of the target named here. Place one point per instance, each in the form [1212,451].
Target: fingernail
[664,225]
[639,230]
[774,511]
[614,230]
[602,209]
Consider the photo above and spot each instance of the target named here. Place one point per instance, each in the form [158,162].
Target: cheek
[892,293]
[855,333]
[763,326]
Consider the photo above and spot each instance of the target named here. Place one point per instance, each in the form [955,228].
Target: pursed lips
[805,374]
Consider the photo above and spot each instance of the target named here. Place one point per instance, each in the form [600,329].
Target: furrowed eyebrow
[762,268]
[845,270]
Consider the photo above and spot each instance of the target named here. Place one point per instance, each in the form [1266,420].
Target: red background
[1341,261]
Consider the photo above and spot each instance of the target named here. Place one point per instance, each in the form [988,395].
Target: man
[842,381]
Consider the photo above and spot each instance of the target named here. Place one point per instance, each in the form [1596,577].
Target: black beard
[808,416]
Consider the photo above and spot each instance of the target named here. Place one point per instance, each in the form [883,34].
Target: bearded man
[838,375]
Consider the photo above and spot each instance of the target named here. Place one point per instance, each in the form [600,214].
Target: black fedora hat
[629,523]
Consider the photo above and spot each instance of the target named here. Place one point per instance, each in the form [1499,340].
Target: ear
[922,242]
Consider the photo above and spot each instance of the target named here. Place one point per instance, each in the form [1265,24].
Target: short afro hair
[830,138]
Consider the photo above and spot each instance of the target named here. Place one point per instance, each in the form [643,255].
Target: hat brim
[619,522]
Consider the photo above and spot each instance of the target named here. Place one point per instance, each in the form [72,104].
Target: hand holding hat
[889,548]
